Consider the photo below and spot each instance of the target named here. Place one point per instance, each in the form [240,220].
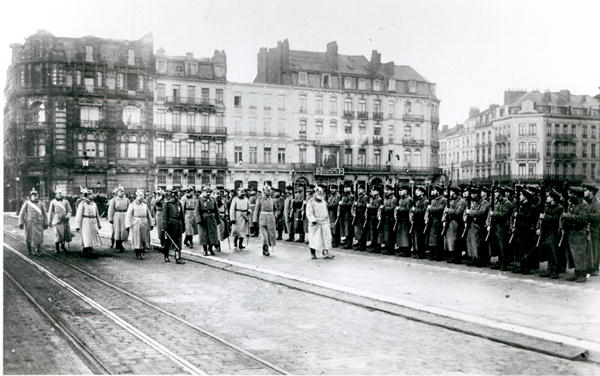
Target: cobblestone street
[294,329]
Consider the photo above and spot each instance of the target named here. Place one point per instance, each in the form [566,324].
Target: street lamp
[86,163]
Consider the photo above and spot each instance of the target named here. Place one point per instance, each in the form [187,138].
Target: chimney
[331,56]
[473,112]
[375,62]
[262,65]
[511,96]
[547,96]
[189,55]
[566,94]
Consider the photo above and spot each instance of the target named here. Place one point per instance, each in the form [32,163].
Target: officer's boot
[205,249]
[112,242]
[57,245]
[242,243]
[119,246]
[137,253]
[141,252]
[62,247]
[210,250]
[166,254]
[218,247]
[178,259]
[191,241]
[265,250]
[235,242]
[313,254]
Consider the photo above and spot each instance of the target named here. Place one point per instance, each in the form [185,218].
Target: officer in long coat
[576,225]
[498,227]
[87,219]
[524,228]
[402,222]
[386,220]
[172,226]
[372,222]
[548,233]
[418,222]
[319,227]
[138,222]
[116,216]
[333,203]
[309,195]
[264,219]
[454,216]
[594,221]
[477,215]
[435,241]
[288,213]
[359,214]
[207,214]
[239,214]
[33,219]
[279,216]
[156,208]
[252,201]
[298,204]
[345,218]
[59,212]
[189,203]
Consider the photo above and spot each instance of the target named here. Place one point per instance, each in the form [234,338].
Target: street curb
[508,334]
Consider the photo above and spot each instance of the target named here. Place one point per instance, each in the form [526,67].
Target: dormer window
[392,84]
[161,65]
[376,85]
[302,78]
[131,57]
[412,87]
[89,54]
[325,81]
[347,83]
[362,84]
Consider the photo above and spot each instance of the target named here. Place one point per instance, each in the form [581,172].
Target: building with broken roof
[533,136]
[354,120]
[78,112]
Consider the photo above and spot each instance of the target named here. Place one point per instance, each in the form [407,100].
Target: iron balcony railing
[304,166]
[410,117]
[187,161]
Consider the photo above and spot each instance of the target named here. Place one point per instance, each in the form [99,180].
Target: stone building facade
[70,100]
[533,136]
[190,130]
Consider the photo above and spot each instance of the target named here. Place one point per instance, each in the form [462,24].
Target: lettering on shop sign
[322,171]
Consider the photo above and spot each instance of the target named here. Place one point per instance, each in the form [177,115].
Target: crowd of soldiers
[508,228]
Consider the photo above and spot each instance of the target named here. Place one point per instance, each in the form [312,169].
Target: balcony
[528,155]
[196,162]
[348,115]
[367,168]
[35,125]
[377,140]
[435,119]
[412,142]
[203,104]
[467,163]
[501,138]
[568,137]
[435,144]
[304,167]
[377,115]
[417,171]
[213,131]
[262,166]
[564,156]
[363,115]
[502,156]
[411,117]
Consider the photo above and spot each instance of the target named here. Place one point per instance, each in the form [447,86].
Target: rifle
[466,220]
[515,214]
[491,221]
[561,227]
[538,226]
[427,215]
[445,214]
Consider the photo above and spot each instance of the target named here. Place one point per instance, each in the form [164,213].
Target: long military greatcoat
[59,213]
[576,225]
[454,217]
[172,222]
[386,228]
[594,219]
[419,224]
[239,211]
[265,217]
[345,216]
[403,222]
[33,217]
[359,208]
[288,214]
[333,203]
[207,214]
[189,212]
[139,221]
[88,220]
[372,220]
[499,221]
[117,208]
[319,227]
[476,234]
[434,230]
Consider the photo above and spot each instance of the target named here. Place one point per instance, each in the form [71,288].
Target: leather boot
[205,249]
[141,253]
[265,250]
[210,250]
[313,254]
[57,247]
[119,246]
[241,243]
[178,259]
[62,247]
[235,242]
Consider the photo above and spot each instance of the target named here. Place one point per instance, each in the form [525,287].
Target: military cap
[333,186]
[289,188]
[555,195]
[485,189]
[311,188]
[590,188]
[576,191]
[420,188]
[33,192]
[509,190]
[207,189]
[438,188]
[174,190]
[527,193]
[474,189]
[456,189]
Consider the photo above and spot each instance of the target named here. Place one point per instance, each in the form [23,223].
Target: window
[377,130]
[348,128]
[333,127]
[302,131]
[362,157]
[220,121]
[131,57]
[192,69]
[407,131]
[376,85]
[348,157]
[132,81]
[281,155]
[160,92]
[392,84]
[267,155]
[593,171]
[584,150]
[532,129]
[132,115]
[573,129]
[584,169]
[237,154]
[348,105]
[548,149]
[39,113]
[302,103]
[237,101]
[593,132]
[161,65]
[281,127]
[362,106]
[584,131]
[532,149]
[267,126]
[205,120]
[177,176]
[362,84]
[377,106]
[377,157]
[325,80]
[302,78]
[302,154]
[89,53]
[362,129]
[38,148]
[191,93]
[120,81]
[522,129]
[219,149]
[253,154]
[319,127]
[219,96]
[191,177]
[89,116]
[391,109]
[391,133]
[205,177]
[319,105]
[522,169]
[548,129]
[132,150]
[252,126]
[281,102]
[162,177]
[160,147]
[89,84]
[177,149]
[593,150]
[204,149]
[333,105]
[205,95]
[347,83]
[191,122]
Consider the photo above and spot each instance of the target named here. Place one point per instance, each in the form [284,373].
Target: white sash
[34,207]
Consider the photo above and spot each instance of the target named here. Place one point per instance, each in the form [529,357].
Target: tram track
[232,354]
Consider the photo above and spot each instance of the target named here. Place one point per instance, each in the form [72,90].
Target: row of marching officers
[472,225]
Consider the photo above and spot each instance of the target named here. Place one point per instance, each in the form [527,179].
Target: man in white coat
[116,216]
[59,213]
[88,220]
[138,222]
[319,229]
[239,212]
[32,218]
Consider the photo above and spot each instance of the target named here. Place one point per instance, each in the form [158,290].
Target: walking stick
[172,242]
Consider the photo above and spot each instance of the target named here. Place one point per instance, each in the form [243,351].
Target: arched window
[39,113]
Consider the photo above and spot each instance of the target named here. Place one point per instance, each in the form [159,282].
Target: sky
[472,50]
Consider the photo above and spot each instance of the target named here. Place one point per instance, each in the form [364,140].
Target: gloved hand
[313,223]
[111,222]
[21,227]
[232,222]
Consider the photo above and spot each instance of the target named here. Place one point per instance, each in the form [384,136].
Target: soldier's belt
[139,216]
[266,212]
[188,209]
[241,210]
[89,216]
[121,211]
